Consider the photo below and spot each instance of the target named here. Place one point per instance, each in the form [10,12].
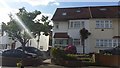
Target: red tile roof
[86,13]
[61,35]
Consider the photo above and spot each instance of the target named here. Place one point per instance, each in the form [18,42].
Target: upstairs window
[56,25]
[77,11]
[103,24]
[102,9]
[64,13]
[76,24]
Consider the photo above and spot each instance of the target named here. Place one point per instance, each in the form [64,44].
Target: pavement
[47,64]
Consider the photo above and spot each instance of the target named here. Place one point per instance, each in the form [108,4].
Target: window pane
[110,25]
[102,24]
[101,43]
[57,26]
[83,24]
[71,25]
[114,42]
[97,24]
[110,43]
[106,24]
[105,43]
[76,42]
[97,43]
[77,24]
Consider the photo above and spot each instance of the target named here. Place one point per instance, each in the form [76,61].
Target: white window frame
[76,24]
[62,43]
[108,43]
[76,42]
[104,24]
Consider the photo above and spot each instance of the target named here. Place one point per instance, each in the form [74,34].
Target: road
[47,64]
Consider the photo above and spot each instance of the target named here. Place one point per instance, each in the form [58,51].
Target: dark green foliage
[60,54]
[70,57]
[57,53]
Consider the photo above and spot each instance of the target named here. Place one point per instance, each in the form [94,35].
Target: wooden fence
[107,60]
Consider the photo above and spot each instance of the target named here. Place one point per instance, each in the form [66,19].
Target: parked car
[13,56]
[113,51]
[31,50]
[15,53]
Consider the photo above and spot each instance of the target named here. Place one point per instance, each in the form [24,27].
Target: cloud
[39,2]
[56,3]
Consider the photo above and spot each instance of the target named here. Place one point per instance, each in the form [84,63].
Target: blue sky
[47,7]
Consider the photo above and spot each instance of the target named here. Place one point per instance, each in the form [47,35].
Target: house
[6,42]
[101,21]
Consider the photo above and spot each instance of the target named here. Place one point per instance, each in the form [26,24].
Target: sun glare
[20,23]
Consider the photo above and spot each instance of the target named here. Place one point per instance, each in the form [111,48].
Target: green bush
[70,57]
[57,53]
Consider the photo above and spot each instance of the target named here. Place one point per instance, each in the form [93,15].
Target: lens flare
[19,21]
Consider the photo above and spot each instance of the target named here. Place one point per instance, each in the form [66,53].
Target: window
[76,24]
[102,9]
[115,42]
[107,24]
[101,43]
[97,43]
[64,13]
[71,25]
[97,24]
[77,11]
[103,24]
[106,42]
[83,24]
[61,41]
[57,25]
[76,42]
[110,43]
[41,47]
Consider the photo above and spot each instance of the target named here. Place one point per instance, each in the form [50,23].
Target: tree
[84,35]
[16,31]
[39,27]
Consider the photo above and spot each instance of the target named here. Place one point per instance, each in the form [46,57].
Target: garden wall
[10,61]
[107,60]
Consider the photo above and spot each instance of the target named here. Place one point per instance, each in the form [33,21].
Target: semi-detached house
[103,22]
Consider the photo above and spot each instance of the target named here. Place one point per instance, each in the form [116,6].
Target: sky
[47,7]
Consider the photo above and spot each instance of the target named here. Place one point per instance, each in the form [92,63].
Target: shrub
[70,57]
[70,49]
[57,53]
